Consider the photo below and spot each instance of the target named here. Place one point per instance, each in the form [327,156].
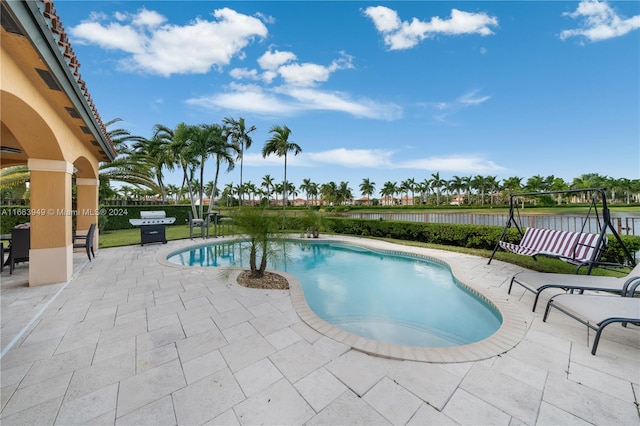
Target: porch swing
[580,248]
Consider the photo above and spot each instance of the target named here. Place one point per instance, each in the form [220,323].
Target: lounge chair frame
[598,327]
[579,285]
[604,225]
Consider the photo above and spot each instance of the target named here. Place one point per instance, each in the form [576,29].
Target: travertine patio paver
[132,340]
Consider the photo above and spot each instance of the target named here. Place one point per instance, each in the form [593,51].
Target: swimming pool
[388,297]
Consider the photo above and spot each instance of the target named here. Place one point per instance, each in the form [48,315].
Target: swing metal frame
[603,225]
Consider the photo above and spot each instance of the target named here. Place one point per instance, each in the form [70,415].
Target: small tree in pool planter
[262,231]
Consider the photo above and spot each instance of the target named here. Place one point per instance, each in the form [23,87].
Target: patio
[130,340]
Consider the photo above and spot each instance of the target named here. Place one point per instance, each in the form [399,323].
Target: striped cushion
[570,246]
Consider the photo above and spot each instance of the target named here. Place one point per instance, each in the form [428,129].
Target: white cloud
[243,73]
[160,48]
[365,158]
[445,109]
[599,22]
[272,60]
[290,100]
[148,18]
[400,35]
[297,91]
[380,159]
[471,164]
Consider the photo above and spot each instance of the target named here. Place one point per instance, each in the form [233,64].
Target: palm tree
[367,188]
[456,184]
[437,184]
[241,139]
[329,193]
[344,193]
[280,145]
[388,190]
[306,188]
[267,184]
[155,153]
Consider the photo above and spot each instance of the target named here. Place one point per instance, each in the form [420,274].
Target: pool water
[388,297]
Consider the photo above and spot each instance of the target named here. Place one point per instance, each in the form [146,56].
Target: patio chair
[597,311]
[19,248]
[537,282]
[202,224]
[86,241]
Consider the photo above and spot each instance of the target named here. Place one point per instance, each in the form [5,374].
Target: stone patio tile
[358,371]
[59,364]
[34,395]
[135,316]
[158,338]
[89,406]
[40,414]
[588,404]
[41,336]
[239,332]
[199,326]
[540,356]
[257,376]
[228,418]
[202,366]
[163,321]
[427,416]
[162,309]
[429,382]
[207,398]
[200,344]
[348,409]
[233,317]
[553,416]
[196,314]
[393,401]
[298,360]
[602,382]
[320,388]
[267,324]
[156,357]
[73,343]
[224,303]
[283,338]
[330,348]
[6,392]
[157,413]
[526,373]
[504,392]
[107,350]
[467,409]
[27,354]
[108,418]
[123,331]
[610,359]
[100,375]
[245,352]
[263,309]
[13,375]
[152,384]
[307,333]
[277,404]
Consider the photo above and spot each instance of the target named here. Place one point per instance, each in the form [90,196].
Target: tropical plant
[280,145]
[261,230]
[240,137]
[367,188]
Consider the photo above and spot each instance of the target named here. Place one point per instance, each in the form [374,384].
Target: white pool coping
[511,332]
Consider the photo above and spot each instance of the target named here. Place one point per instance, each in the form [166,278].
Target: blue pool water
[388,297]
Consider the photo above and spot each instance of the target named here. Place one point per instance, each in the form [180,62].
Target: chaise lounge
[596,311]
[537,282]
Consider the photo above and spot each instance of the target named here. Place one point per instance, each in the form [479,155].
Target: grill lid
[154,214]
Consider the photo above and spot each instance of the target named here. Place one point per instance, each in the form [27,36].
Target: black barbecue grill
[153,226]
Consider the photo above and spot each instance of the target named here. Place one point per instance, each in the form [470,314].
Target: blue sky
[380,90]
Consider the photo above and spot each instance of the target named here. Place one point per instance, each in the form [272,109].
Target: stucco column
[51,254]
[87,205]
